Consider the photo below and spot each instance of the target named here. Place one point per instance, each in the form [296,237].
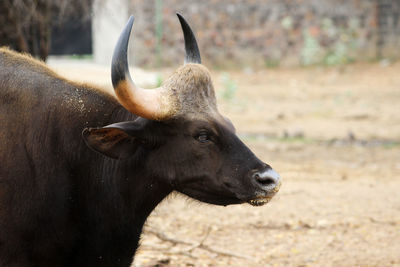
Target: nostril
[267,178]
[264,180]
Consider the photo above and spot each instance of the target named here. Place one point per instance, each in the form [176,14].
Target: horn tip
[119,62]
[181,18]
[191,48]
[131,20]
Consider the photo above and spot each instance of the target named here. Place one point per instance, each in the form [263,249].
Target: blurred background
[231,33]
[313,88]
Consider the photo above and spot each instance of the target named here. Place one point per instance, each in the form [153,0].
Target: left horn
[191,48]
[151,104]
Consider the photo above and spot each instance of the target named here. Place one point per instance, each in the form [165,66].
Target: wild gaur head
[186,141]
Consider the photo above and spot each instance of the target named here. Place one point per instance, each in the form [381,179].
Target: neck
[139,190]
[116,203]
[116,196]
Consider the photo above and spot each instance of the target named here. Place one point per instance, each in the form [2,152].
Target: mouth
[260,201]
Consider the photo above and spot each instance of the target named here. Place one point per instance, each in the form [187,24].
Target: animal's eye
[203,137]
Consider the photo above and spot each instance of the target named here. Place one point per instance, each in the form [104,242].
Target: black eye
[203,137]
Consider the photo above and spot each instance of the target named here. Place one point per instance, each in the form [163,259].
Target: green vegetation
[283,139]
[75,56]
[272,63]
[311,52]
[257,138]
[343,42]
[229,85]
[159,80]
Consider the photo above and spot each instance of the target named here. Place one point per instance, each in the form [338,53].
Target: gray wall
[109,17]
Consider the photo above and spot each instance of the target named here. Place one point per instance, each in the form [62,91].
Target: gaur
[81,169]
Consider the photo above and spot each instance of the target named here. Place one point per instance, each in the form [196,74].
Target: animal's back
[41,114]
[41,110]
[41,118]
[26,108]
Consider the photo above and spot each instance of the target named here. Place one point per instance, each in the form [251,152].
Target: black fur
[63,204]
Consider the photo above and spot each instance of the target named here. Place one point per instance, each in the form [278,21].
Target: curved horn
[191,48]
[150,104]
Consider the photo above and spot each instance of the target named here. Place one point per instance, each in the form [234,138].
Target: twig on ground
[201,242]
[165,251]
[200,245]
[164,237]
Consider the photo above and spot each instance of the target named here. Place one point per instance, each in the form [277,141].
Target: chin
[215,199]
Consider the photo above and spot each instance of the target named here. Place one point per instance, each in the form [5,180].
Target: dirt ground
[334,136]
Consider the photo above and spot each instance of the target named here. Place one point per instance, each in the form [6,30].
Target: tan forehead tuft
[196,70]
[191,74]
[191,88]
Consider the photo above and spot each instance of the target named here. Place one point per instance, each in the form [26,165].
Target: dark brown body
[64,204]
[59,201]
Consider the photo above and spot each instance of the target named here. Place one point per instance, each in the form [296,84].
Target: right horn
[191,48]
[151,104]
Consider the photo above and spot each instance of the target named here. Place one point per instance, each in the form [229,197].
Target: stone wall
[388,28]
[266,33]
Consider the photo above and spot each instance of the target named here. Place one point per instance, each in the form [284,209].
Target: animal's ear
[118,140]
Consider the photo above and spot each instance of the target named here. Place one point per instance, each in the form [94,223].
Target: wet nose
[268,178]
